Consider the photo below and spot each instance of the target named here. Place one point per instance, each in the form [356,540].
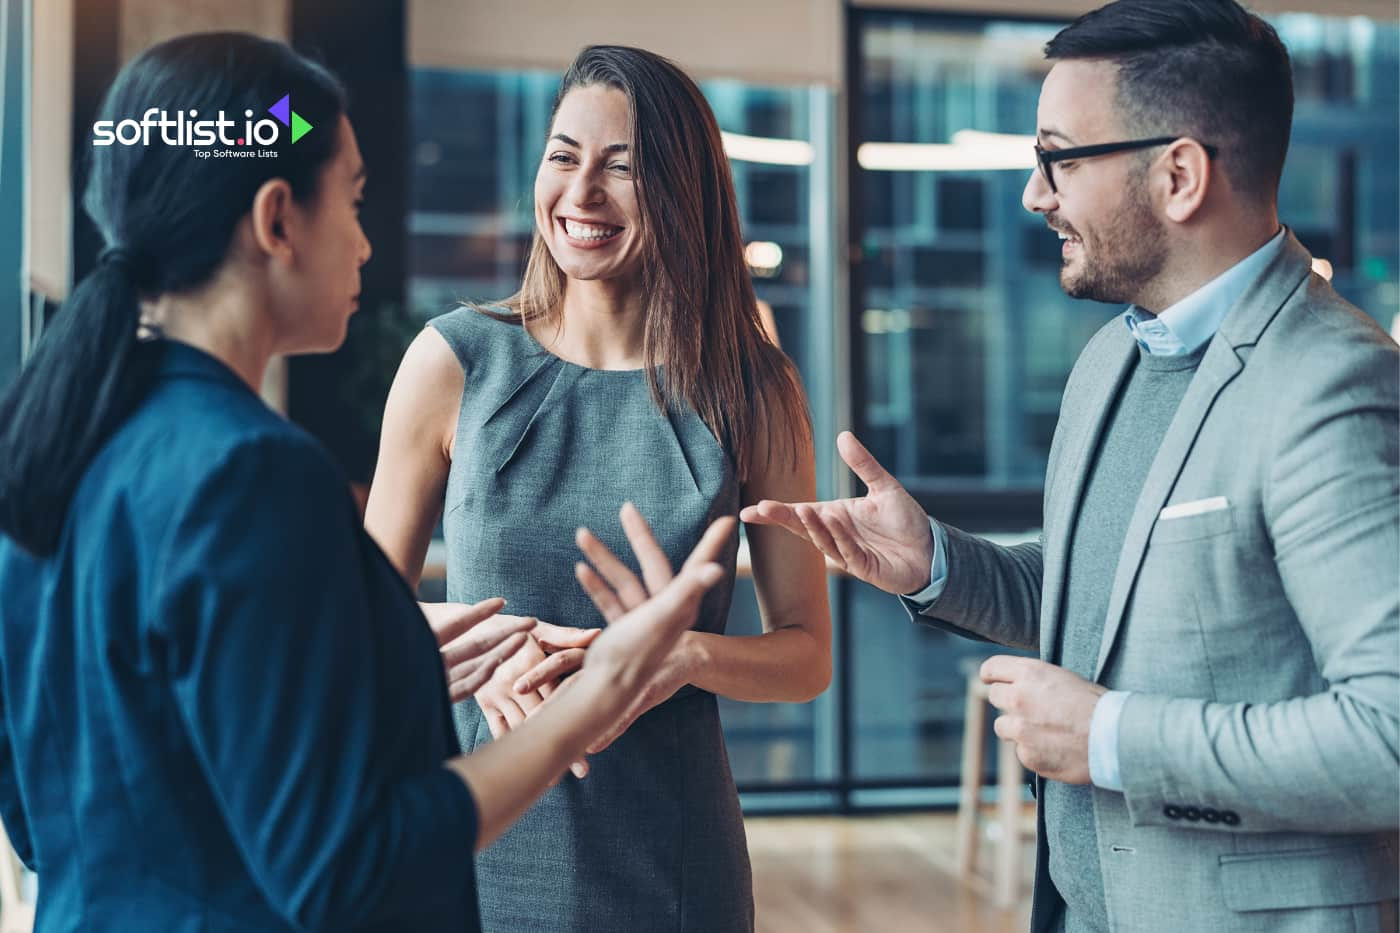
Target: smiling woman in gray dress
[630,367]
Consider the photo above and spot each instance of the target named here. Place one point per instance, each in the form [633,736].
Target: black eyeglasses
[1047,158]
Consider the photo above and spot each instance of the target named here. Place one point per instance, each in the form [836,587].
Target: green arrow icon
[299,126]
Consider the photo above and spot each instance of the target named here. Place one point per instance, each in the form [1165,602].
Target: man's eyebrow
[1051,131]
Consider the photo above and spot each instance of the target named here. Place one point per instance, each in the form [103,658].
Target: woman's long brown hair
[704,344]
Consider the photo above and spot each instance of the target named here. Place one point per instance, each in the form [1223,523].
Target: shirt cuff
[938,570]
[1103,740]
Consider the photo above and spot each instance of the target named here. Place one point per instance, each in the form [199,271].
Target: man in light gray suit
[1214,720]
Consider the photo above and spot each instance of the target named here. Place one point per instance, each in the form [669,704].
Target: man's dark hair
[1208,69]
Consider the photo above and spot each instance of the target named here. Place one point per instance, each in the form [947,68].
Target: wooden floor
[882,874]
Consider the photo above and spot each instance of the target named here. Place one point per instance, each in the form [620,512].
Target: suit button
[1210,815]
[1171,811]
[1192,813]
[1230,818]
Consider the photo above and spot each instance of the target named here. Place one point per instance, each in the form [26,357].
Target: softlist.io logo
[185,129]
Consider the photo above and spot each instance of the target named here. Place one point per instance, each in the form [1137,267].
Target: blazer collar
[1245,322]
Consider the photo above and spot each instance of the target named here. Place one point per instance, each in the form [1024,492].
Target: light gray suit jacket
[1260,749]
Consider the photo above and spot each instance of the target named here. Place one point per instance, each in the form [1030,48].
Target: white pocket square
[1199,507]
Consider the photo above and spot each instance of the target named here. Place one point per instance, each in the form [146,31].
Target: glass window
[1341,184]
[966,337]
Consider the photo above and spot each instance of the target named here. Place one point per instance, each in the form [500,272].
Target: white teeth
[590,231]
[1062,236]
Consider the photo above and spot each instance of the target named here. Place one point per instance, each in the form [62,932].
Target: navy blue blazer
[222,708]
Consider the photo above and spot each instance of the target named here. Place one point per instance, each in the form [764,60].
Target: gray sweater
[1134,432]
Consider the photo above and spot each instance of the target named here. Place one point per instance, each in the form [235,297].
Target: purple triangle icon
[282,109]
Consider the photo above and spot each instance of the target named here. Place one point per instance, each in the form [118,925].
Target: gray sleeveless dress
[652,840]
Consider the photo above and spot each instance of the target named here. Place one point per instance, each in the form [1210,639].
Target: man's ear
[271,218]
[1184,174]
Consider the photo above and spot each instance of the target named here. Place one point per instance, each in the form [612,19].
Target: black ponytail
[168,219]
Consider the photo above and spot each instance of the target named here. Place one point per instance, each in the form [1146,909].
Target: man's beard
[1128,253]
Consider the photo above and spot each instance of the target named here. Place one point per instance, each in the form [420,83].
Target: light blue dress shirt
[1179,330]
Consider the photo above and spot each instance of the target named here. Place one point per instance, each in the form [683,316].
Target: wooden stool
[1007,876]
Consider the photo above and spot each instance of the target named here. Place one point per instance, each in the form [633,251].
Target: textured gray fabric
[652,839]
[1261,641]
[1140,417]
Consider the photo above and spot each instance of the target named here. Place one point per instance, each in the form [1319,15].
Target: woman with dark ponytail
[222,707]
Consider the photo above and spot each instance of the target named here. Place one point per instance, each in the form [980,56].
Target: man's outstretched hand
[882,537]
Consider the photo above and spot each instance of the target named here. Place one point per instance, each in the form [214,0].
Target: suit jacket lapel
[1242,327]
[1096,400]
